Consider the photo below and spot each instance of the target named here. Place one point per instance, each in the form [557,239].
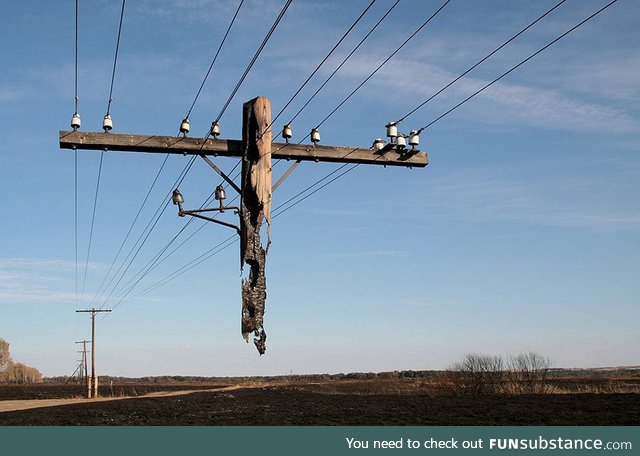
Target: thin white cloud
[365,254]
[493,196]
[32,280]
[504,103]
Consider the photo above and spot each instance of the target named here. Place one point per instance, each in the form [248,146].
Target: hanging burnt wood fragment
[255,207]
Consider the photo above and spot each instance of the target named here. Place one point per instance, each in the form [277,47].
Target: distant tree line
[11,372]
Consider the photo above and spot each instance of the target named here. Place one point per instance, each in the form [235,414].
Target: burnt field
[344,402]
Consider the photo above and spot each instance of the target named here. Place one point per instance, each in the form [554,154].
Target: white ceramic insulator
[184,126]
[215,129]
[392,131]
[107,123]
[315,135]
[75,121]
[414,139]
[401,141]
[287,132]
[378,144]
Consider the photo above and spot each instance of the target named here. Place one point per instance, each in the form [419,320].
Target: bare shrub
[477,374]
[528,373]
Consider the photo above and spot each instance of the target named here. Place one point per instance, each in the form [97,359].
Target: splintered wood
[255,207]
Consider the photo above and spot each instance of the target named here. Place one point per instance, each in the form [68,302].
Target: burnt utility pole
[84,371]
[92,390]
[256,151]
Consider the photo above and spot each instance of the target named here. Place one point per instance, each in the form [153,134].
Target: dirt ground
[325,403]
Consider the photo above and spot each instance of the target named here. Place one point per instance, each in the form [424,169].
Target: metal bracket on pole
[211,219]
[222,174]
[285,175]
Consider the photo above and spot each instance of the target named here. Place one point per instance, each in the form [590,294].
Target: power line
[76,64]
[115,59]
[479,62]
[517,66]
[319,188]
[215,57]
[344,61]
[75,153]
[142,239]
[93,217]
[233,239]
[75,201]
[156,260]
[322,62]
[253,60]
[144,202]
[384,63]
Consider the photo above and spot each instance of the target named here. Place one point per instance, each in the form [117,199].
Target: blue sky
[522,234]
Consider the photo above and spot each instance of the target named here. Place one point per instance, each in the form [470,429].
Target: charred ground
[577,399]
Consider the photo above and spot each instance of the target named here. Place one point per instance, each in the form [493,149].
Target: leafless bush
[477,374]
[528,373]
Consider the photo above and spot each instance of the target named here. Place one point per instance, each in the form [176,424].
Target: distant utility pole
[84,370]
[92,390]
[255,151]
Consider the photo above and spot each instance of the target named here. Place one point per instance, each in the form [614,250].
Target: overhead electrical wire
[75,201]
[144,236]
[115,58]
[215,57]
[383,63]
[326,57]
[75,154]
[76,64]
[326,81]
[464,101]
[157,259]
[95,201]
[226,243]
[479,62]
[374,72]
[253,60]
[93,218]
[233,239]
[486,86]
[126,237]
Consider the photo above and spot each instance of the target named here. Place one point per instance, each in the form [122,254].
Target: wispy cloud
[494,196]
[505,102]
[365,254]
[27,280]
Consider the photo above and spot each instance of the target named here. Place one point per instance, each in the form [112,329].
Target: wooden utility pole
[84,370]
[256,151]
[92,390]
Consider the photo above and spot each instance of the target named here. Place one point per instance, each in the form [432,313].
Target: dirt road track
[11,406]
